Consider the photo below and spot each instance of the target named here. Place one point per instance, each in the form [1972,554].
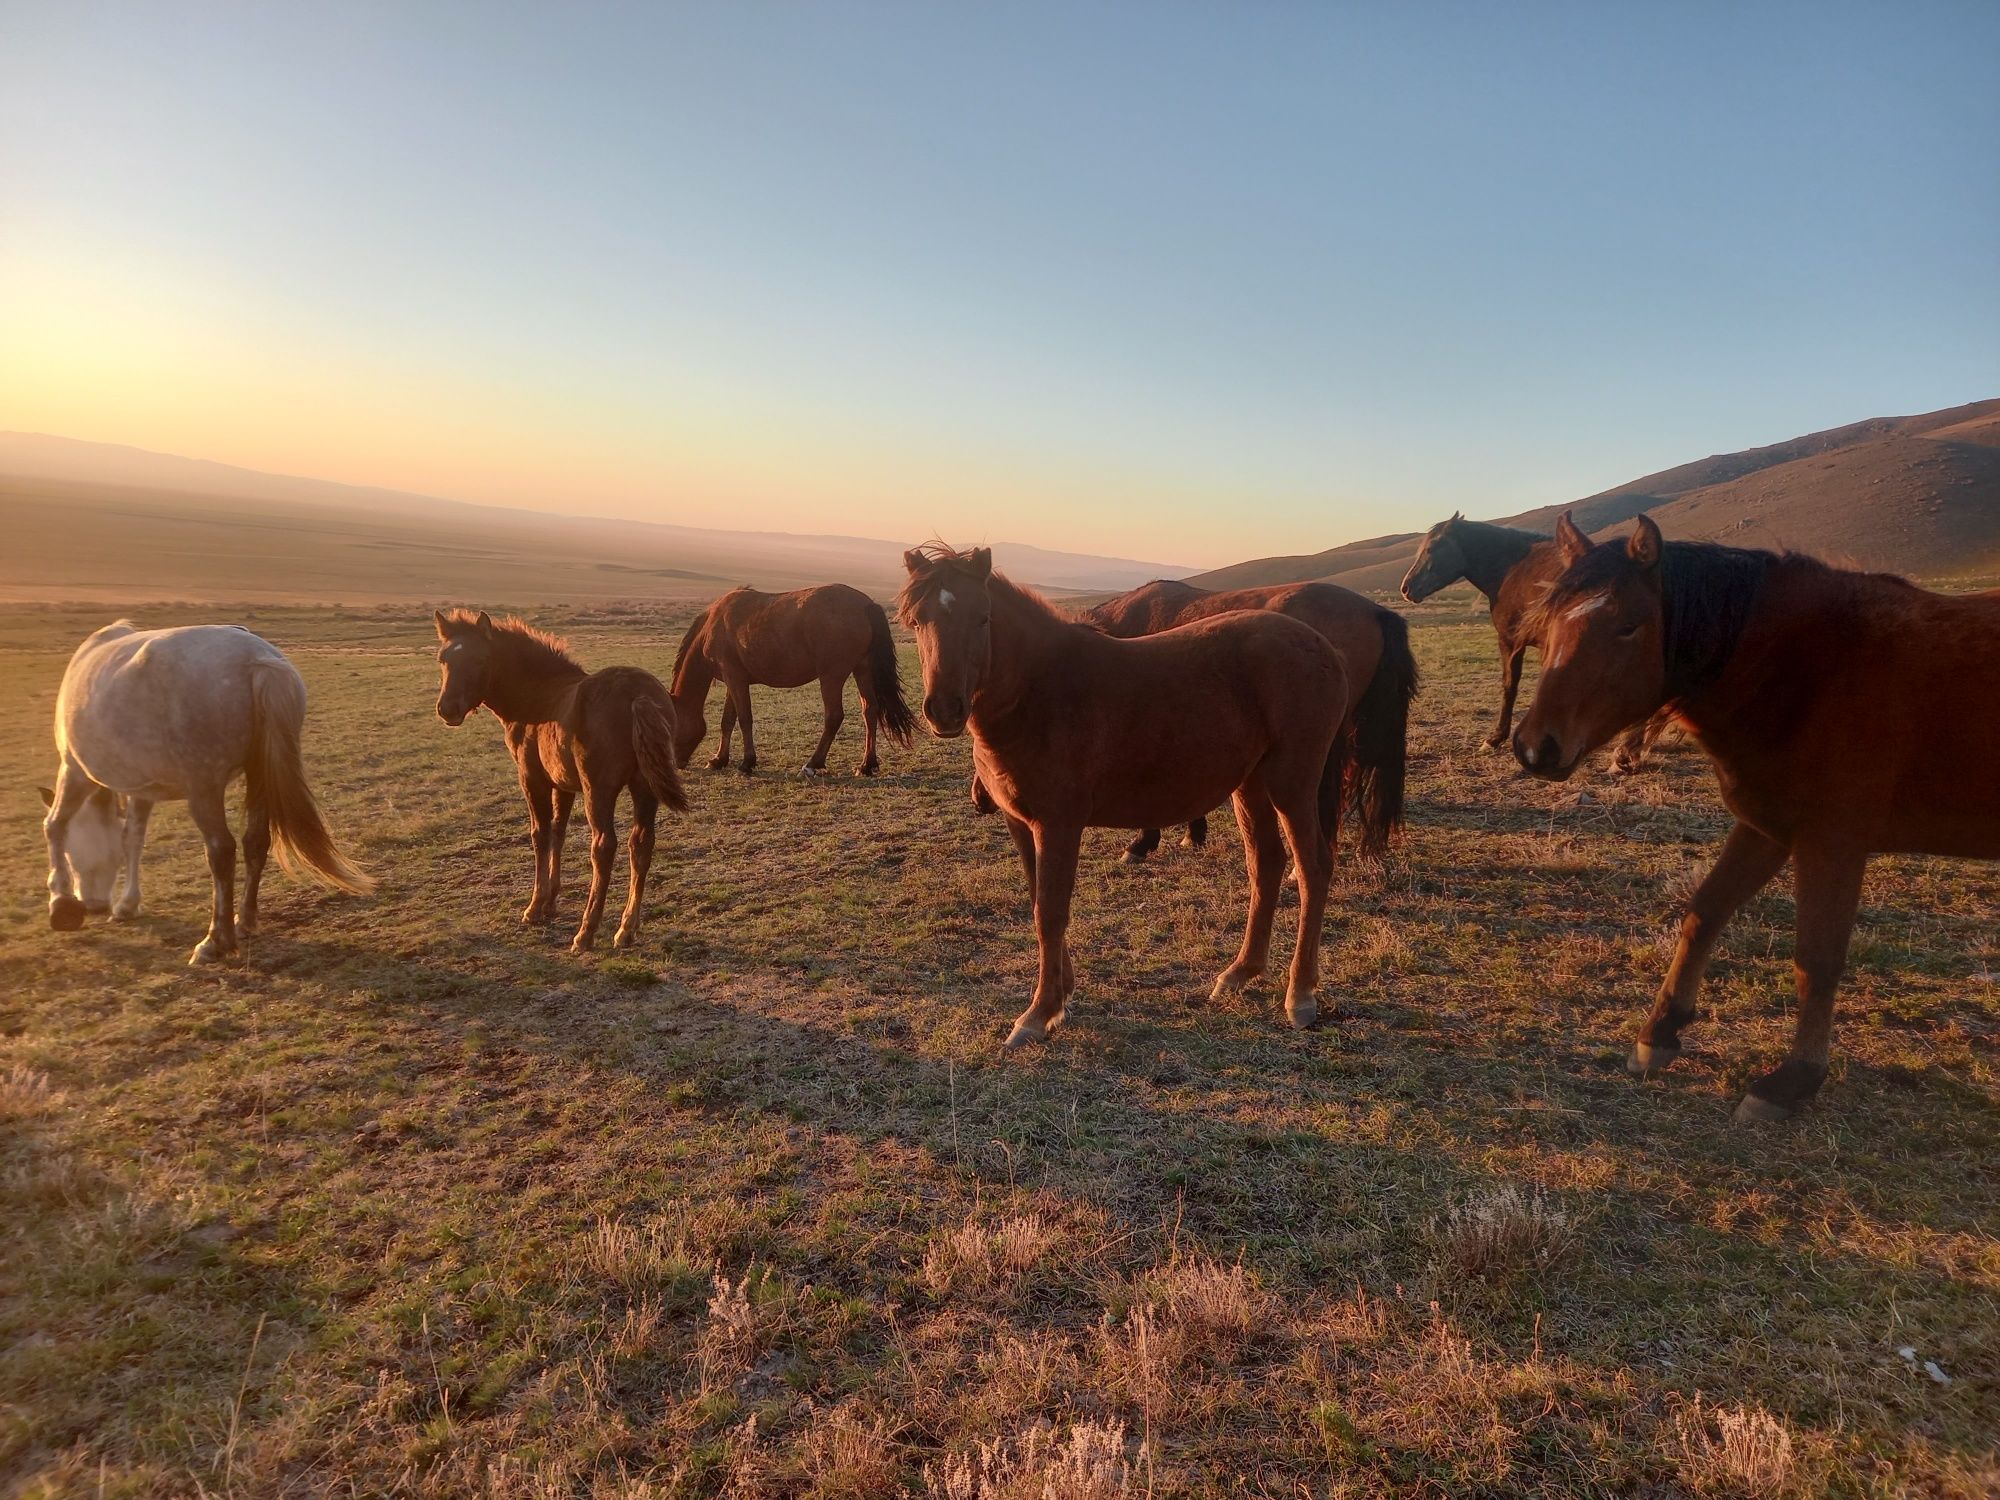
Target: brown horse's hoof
[66,913]
[1132,857]
[1302,1011]
[809,769]
[246,929]
[1648,1058]
[623,939]
[580,945]
[1491,743]
[1229,982]
[718,765]
[209,951]
[870,769]
[1758,1111]
[1028,1028]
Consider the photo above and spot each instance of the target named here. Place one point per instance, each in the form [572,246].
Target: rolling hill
[1917,495]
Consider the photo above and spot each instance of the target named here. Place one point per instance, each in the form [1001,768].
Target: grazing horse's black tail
[1380,725]
[885,682]
[653,747]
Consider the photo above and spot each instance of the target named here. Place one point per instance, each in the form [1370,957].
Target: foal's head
[94,842]
[465,662]
[948,603]
[1603,642]
[1440,561]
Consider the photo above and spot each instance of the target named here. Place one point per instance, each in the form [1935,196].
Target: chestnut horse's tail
[276,780]
[653,746]
[886,683]
[1380,727]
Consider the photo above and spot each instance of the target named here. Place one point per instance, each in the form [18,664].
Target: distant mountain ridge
[1918,495]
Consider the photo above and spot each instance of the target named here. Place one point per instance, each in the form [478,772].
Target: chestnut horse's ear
[443,625]
[914,561]
[48,795]
[982,562]
[1645,545]
[1572,541]
[485,623]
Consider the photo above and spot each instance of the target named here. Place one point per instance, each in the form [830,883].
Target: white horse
[149,716]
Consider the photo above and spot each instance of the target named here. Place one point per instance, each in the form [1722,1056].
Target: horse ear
[982,562]
[1645,544]
[48,795]
[1572,541]
[485,623]
[914,561]
[1458,515]
[443,626]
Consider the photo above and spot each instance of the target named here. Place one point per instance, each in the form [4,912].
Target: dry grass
[412,1203]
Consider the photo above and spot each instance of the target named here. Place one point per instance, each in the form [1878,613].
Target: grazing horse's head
[94,843]
[1603,643]
[465,661]
[948,603]
[1440,561]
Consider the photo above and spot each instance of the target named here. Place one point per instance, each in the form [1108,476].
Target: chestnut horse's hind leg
[601,805]
[1510,684]
[565,801]
[138,813]
[829,697]
[871,719]
[1055,854]
[1829,894]
[739,696]
[256,850]
[1136,851]
[211,816]
[1264,852]
[1744,867]
[645,811]
[720,760]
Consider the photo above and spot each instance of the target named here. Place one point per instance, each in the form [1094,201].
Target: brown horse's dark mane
[528,651]
[688,652]
[940,557]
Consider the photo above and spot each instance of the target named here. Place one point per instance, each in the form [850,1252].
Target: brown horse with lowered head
[1847,714]
[1381,675]
[829,633]
[1072,729]
[571,731]
[1513,569]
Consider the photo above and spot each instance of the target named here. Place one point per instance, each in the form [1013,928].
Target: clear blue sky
[1189,283]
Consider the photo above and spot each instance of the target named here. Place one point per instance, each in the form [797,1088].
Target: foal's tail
[653,746]
[1380,726]
[886,683]
[276,778]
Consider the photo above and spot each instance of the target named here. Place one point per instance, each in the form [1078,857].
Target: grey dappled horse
[149,716]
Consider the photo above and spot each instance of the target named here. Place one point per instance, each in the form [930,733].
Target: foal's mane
[1002,588]
[529,651]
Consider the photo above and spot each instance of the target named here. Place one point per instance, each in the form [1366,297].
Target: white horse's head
[95,844]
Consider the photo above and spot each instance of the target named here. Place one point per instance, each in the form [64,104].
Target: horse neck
[1026,637]
[533,693]
[1491,553]
[694,674]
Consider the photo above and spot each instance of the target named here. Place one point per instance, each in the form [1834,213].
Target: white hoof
[1027,1028]
[1647,1059]
[1301,1011]
[1229,982]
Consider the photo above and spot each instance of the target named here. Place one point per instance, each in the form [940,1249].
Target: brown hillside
[1917,495]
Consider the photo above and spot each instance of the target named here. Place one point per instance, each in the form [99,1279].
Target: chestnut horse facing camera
[570,731]
[1072,729]
[1374,644]
[1847,714]
[829,633]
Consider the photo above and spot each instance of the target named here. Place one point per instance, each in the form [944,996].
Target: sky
[1185,283]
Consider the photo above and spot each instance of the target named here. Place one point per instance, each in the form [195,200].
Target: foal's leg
[1510,684]
[1312,853]
[639,853]
[1136,851]
[720,760]
[871,718]
[73,789]
[1828,883]
[601,803]
[540,794]
[565,799]
[1745,866]
[1264,852]
[210,812]
[256,850]
[138,812]
[829,697]
[1056,849]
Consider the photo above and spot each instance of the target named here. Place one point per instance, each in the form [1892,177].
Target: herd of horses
[1846,714]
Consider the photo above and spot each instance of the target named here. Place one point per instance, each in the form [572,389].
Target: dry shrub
[1500,1233]
[987,1260]
[1089,1463]
[640,1260]
[1741,1450]
[1190,1313]
[847,1458]
[744,1319]
[25,1094]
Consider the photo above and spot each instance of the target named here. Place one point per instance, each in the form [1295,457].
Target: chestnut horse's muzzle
[1543,759]
[946,716]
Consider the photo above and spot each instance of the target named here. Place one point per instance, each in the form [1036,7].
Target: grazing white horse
[149,716]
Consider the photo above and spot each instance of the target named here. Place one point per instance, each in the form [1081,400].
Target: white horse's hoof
[66,913]
[123,912]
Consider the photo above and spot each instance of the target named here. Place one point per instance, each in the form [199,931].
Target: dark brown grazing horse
[1381,675]
[830,633]
[571,731]
[1847,714]
[1072,729]
[1513,569]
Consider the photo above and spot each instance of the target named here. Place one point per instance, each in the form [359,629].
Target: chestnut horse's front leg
[1054,864]
[1136,851]
[1828,886]
[540,794]
[1745,866]
[1511,658]
[720,760]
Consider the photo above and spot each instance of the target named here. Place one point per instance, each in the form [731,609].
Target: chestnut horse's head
[465,661]
[1439,563]
[948,603]
[1603,645]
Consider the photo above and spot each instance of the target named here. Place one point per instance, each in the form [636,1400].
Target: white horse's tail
[277,780]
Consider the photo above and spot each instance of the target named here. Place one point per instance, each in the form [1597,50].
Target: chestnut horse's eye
[1628,632]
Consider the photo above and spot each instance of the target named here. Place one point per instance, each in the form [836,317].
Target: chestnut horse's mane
[922,585]
[529,650]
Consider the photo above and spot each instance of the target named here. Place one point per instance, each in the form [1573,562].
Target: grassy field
[412,1202]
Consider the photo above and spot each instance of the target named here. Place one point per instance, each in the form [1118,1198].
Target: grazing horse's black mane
[1707,595]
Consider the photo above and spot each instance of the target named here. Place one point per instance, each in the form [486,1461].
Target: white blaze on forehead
[945,600]
[1578,611]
